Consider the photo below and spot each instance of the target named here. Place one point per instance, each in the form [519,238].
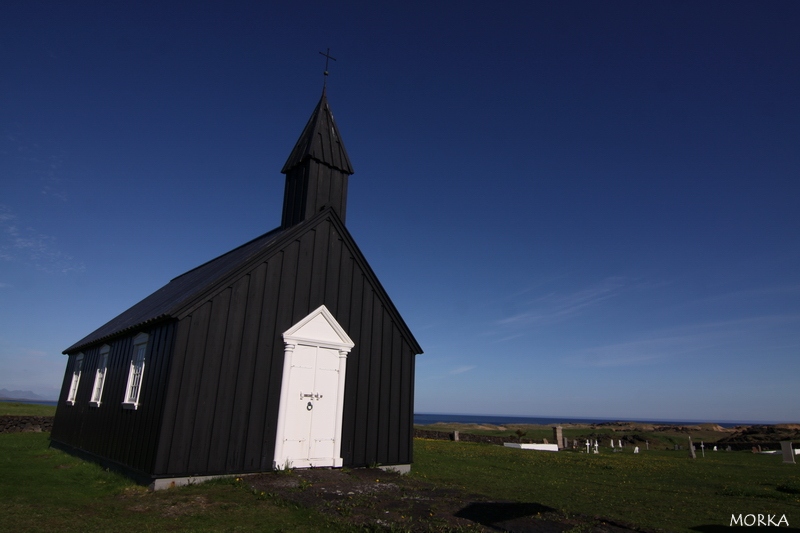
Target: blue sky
[582,209]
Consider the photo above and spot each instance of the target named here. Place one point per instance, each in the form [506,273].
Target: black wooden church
[284,352]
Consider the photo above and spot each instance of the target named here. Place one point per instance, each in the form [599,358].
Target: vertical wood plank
[209,384]
[189,386]
[229,369]
[261,391]
[244,383]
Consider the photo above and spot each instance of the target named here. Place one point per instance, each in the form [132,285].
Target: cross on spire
[328,56]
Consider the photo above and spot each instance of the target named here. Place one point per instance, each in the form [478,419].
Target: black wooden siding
[309,188]
[109,432]
[224,390]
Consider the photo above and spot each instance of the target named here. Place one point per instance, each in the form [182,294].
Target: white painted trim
[337,461]
[344,340]
[77,370]
[130,401]
[279,462]
[102,364]
[291,339]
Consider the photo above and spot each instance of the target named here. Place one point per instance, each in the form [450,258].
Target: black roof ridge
[251,241]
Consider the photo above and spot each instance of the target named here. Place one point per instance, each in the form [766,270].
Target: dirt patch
[386,501]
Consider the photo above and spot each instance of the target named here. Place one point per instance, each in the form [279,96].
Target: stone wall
[465,437]
[17,424]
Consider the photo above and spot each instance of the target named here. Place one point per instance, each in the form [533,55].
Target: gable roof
[320,141]
[178,297]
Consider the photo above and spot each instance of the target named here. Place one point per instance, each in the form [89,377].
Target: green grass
[26,409]
[42,489]
[656,489]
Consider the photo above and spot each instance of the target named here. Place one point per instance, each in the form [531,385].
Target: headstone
[612,443]
[647,445]
[636,450]
[544,441]
[676,447]
[691,449]
[558,436]
[702,448]
[715,448]
[588,445]
[788,452]
[566,442]
[755,449]
[455,436]
[620,443]
[596,447]
[575,443]
[728,448]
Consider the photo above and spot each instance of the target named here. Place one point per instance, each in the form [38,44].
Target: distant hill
[6,394]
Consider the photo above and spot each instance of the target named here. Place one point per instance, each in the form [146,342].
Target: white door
[309,425]
[311,417]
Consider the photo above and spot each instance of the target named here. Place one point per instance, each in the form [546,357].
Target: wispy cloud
[557,306]
[26,245]
[707,339]
[462,369]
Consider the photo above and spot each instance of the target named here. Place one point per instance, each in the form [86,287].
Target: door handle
[313,395]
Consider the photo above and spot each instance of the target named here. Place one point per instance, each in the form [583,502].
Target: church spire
[317,169]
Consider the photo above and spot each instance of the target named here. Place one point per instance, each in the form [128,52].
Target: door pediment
[321,329]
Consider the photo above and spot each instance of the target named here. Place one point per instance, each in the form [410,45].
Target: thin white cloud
[462,369]
[668,345]
[556,306]
[28,246]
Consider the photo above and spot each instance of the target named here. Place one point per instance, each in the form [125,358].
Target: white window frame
[76,379]
[100,376]
[133,387]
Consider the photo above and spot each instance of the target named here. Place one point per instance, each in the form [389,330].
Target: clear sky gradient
[581,209]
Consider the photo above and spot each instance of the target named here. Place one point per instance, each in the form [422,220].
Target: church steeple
[317,169]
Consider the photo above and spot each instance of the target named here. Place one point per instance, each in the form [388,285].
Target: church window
[76,379]
[100,376]
[134,386]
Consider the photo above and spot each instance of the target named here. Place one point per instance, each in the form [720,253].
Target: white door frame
[318,329]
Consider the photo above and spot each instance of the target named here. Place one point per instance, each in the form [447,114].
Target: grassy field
[42,489]
[45,489]
[26,409]
[656,489]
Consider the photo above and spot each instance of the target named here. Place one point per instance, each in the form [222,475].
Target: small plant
[520,434]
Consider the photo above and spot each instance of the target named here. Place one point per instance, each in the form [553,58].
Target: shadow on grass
[492,514]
